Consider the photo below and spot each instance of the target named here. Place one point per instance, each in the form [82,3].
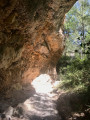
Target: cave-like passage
[40,106]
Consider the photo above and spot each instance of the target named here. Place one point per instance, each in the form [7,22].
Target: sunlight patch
[43,84]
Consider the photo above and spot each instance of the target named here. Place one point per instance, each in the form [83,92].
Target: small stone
[82,114]
[70,118]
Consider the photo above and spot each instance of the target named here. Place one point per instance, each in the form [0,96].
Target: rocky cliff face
[31,38]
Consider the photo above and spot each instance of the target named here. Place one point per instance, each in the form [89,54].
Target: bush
[74,74]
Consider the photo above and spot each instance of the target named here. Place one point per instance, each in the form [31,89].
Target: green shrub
[74,74]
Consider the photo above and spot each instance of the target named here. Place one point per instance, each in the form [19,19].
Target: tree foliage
[77,28]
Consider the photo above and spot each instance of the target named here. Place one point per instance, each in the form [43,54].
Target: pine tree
[77,26]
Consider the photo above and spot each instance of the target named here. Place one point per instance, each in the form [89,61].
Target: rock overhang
[31,38]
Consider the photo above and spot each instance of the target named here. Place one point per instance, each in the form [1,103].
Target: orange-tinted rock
[31,38]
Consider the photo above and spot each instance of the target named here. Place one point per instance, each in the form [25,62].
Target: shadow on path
[39,105]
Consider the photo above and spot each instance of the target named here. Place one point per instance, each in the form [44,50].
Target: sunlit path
[41,106]
[43,84]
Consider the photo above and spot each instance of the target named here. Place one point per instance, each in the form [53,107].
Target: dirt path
[41,106]
[38,107]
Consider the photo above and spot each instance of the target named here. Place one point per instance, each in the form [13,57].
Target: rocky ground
[40,104]
[37,107]
[41,101]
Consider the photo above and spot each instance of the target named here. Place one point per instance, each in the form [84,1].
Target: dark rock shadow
[70,103]
[16,97]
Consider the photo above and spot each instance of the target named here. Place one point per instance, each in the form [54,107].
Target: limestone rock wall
[31,38]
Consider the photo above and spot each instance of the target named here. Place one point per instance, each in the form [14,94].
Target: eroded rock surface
[31,38]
